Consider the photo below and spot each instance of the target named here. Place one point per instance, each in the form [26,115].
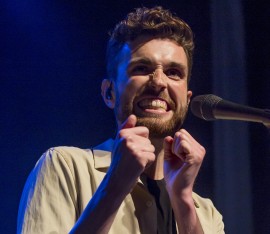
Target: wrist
[183,202]
[113,188]
[183,194]
[185,215]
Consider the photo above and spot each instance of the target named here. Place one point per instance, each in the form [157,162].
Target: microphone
[210,107]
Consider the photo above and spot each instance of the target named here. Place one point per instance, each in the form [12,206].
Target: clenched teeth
[153,104]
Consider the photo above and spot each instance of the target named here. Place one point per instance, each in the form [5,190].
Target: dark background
[52,60]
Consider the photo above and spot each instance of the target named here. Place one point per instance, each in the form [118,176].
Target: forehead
[156,50]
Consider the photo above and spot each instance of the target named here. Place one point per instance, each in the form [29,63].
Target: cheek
[178,93]
[136,82]
[132,86]
[126,91]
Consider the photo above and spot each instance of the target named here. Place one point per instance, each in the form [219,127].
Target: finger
[181,146]
[141,144]
[149,148]
[176,143]
[185,135]
[132,132]
[185,147]
[167,146]
[141,131]
[147,158]
[195,144]
[129,123]
[185,132]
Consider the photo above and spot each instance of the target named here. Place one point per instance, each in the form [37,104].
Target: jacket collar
[102,154]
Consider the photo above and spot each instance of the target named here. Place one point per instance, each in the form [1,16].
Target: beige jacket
[64,180]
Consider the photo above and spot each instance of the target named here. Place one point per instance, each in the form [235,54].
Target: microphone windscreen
[202,106]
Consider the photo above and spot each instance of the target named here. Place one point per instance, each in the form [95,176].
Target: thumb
[167,146]
[130,122]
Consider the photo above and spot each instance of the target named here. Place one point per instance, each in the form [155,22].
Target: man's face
[152,84]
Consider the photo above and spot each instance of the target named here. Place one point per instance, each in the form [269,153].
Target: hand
[183,157]
[132,152]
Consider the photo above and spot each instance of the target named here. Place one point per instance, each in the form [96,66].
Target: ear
[107,92]
[189,94]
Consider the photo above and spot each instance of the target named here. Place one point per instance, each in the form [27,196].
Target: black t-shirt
[165,217]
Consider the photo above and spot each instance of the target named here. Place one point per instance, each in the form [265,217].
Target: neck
[155,170]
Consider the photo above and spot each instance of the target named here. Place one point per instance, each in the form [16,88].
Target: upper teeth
[153,103]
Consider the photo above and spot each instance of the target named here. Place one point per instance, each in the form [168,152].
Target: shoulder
[56,184]
[68,151]
[66,156]
[65,162]
[74,160]
[69,154]
[99,156]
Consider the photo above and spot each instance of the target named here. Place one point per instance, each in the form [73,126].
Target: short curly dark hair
[155,22]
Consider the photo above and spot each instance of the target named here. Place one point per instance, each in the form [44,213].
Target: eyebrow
[147,61]
[177,65]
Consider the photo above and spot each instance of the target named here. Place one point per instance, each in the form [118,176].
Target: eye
[174,74]
[140,70]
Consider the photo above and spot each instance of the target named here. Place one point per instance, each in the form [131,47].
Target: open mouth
[154,104]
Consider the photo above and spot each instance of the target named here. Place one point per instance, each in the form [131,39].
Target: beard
[158,127]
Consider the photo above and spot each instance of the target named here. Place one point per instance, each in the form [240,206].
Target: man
[142,181]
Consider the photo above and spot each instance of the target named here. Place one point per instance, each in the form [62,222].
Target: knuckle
[148,142]
[203,150]
[146,130]
[182,130]
[152,157]
[153,149]
[178,134]
[122,133]
[130,145]
[127,142]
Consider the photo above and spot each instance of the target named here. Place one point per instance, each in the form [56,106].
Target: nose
[158,79]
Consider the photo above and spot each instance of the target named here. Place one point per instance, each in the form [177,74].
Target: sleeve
[48,202]
[218,223]
[210,218]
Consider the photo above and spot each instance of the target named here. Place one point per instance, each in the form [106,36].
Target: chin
[158,127]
